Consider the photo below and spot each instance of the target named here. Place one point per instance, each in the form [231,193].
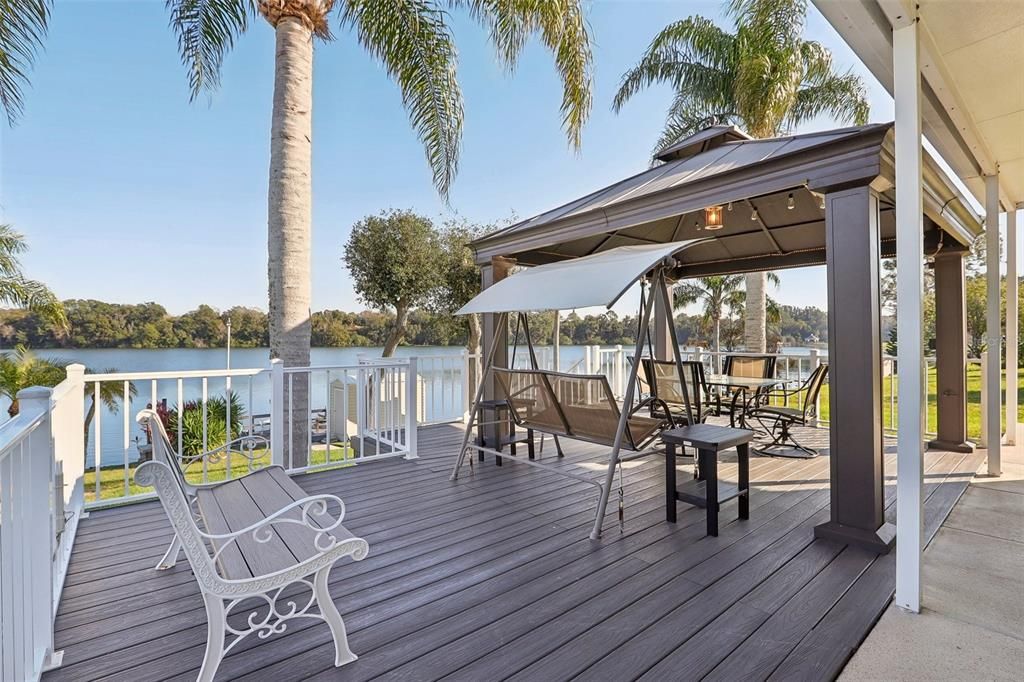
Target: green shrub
[191,418]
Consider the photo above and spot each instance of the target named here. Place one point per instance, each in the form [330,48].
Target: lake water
[255,392]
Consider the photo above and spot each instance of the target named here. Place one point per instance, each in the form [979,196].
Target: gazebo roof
[770,186]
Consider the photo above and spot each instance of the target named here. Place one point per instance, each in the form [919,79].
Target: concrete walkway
[972,626]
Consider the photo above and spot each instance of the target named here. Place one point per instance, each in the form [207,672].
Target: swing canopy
[596,280]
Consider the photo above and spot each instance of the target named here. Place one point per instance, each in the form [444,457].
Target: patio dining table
[740,386]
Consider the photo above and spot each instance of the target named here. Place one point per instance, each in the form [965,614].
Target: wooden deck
[494,577]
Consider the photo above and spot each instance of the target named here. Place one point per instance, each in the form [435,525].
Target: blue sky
[128,193]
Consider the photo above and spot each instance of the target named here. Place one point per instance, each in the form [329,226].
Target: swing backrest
[578,406]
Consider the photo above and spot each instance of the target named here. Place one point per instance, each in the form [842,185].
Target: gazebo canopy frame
[821,198]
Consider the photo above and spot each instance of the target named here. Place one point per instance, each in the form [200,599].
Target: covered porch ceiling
[972,79]
[771,191]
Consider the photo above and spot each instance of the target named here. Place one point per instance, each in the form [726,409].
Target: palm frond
[562,28]
[206,31]
[35,296]
[12,245]
[686,293]
[23,25]
[778,21]
[842,97]
[16,290]
[413,41]
[686,116]
[690,53]
[817,62]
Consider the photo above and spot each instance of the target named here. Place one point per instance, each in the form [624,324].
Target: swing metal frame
[658,279]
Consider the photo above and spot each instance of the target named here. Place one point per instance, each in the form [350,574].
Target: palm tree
[15,289]
[413,41]
[21,368]
[22,29]
[717,294]
[764,78]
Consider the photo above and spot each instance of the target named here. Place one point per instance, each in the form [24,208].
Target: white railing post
[28,540]
[67,428]
[277,412]
[815,362]
[411,425]
[620,366]
[42,536]
[983,440]
[466,388]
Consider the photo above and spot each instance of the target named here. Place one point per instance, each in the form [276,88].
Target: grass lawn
[112,477]
[890,388]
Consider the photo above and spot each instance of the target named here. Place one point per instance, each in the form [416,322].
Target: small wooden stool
[500,407]
[706,491]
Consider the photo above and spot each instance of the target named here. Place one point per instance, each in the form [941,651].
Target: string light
[753,214]
[790,202]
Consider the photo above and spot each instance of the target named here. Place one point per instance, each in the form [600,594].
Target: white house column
[909,316]
[1011,327]
[992,323]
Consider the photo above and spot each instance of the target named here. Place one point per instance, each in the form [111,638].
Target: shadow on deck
[494,577]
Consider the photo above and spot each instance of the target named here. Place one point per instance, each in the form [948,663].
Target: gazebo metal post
[627,400]
[501,320]
[951,351]
[499,269]
[854,347]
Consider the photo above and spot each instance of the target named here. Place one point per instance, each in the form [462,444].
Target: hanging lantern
[713,218]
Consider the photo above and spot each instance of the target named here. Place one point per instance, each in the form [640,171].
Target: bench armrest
[314,515]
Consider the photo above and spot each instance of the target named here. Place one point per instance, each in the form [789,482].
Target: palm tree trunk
[754,317]
[289,222]
[718,345]
[89,414]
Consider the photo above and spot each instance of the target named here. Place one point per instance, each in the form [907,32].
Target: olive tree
[396,262]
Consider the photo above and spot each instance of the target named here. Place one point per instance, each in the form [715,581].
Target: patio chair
[662,378]
[778,421]
[750,366]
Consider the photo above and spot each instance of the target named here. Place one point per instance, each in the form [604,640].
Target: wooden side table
[499,408]
[707,491]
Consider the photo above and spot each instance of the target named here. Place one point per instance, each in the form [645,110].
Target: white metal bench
[259,546]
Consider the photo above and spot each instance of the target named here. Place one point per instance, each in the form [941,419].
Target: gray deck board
[494,576]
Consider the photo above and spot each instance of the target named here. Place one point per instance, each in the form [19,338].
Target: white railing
[41,457]
[302,418]
[443,388]
[372,412]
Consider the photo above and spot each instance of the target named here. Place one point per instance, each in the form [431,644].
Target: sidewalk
[972,623]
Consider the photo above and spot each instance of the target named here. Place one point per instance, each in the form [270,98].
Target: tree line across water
[96,324]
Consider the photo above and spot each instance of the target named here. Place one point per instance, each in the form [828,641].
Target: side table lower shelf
[695,492]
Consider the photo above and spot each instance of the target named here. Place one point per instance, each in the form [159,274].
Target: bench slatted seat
[250,541]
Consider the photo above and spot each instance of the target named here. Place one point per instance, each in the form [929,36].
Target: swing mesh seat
[575,406]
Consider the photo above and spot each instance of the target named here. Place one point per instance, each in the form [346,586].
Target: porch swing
[576,406]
